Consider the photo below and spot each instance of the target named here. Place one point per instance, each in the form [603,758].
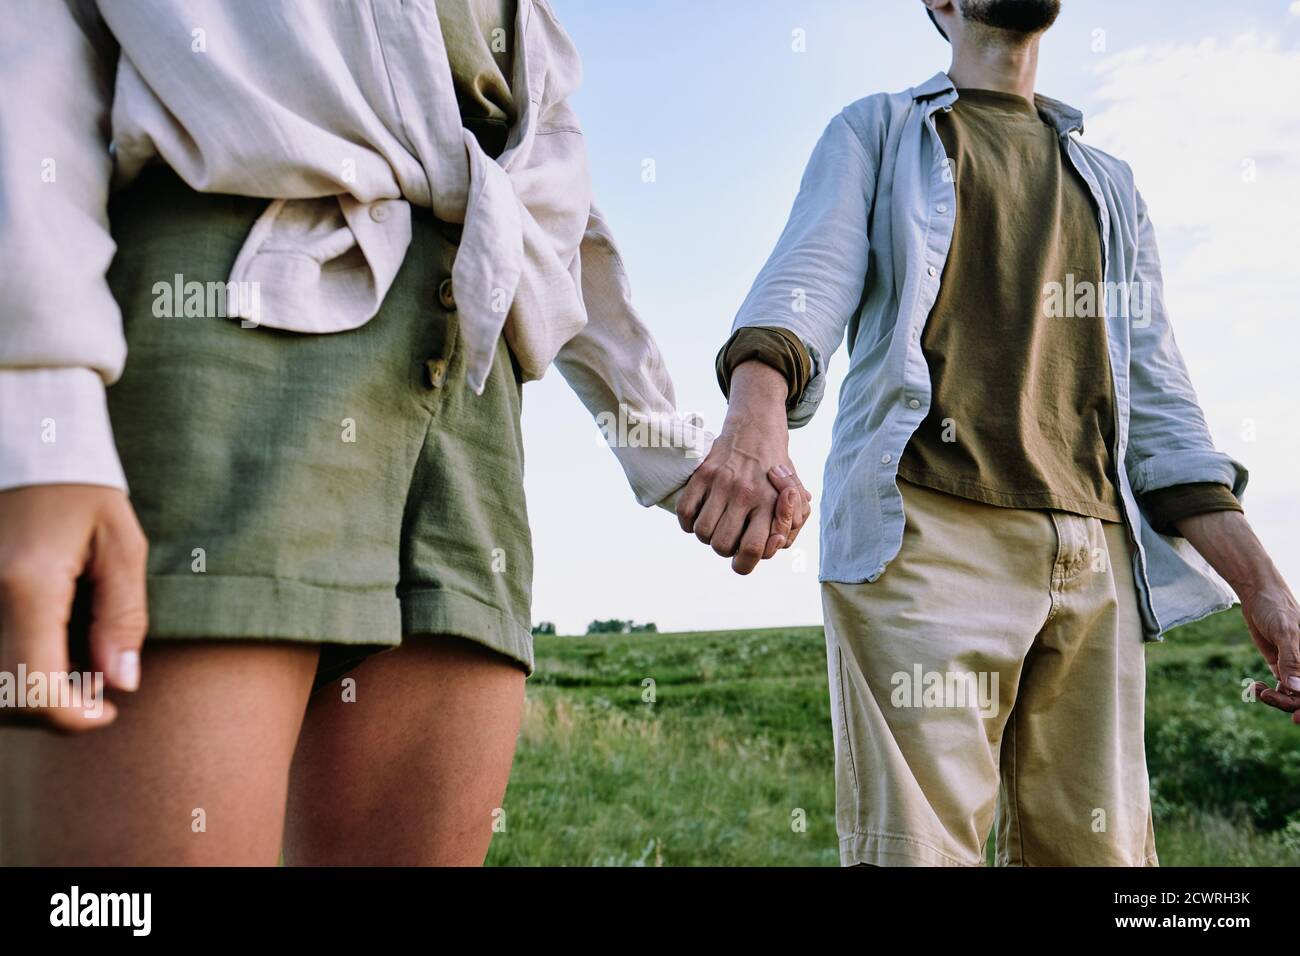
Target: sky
[718,93]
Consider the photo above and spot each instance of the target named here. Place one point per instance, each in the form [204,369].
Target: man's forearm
[1226,540]
[777,347]
[758,397]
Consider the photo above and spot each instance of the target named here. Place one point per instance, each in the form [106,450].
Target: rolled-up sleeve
[1169,442]
[812,282]
[1165,507]
[62,331]
[616,369]
[776,348]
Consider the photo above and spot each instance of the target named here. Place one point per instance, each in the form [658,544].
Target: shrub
[1219,759]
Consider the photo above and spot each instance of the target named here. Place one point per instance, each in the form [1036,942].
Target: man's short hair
[935,21]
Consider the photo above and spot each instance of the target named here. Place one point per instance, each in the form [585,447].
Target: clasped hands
[745,500]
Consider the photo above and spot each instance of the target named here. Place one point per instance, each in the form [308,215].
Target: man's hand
[1272,615]
[1273,618]
[745,499]
[51,535]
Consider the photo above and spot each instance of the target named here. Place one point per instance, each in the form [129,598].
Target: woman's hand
[745,499]
[51,535]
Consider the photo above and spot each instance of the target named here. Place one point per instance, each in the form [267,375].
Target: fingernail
[126,672]
[1293,683]
[782,471]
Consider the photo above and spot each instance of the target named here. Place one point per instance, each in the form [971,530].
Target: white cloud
[1214,140]
[1212,132]
[1294,9]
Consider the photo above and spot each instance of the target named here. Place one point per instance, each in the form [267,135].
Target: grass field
[707,748]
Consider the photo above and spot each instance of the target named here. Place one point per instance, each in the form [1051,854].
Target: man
[1021,487]
[394,198]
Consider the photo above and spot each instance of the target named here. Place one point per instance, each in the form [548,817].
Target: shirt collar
[1065,118]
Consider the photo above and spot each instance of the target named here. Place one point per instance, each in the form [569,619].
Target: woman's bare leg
[193,771]
[413,770]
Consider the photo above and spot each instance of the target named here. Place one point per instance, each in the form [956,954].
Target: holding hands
[745,499]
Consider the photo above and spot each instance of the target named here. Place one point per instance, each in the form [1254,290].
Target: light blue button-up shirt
[863,252]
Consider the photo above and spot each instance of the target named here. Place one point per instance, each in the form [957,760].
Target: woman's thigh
[407,765]
[193,771]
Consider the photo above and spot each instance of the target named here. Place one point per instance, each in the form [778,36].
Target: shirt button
[932,271]
[445,295]
[941,209]
[437,372]
[913,403]
[379,211]
[886,459]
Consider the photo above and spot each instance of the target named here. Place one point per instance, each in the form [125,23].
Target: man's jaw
[1024,17]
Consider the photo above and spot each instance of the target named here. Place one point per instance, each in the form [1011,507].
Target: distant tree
[544,627]
[618,626]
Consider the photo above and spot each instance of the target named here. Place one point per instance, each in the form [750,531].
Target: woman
[345,235]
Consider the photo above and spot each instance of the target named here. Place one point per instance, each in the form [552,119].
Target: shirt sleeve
[60,331]
[1168,443]
[812,283]
[778,348]
[1165,507]
[618,372]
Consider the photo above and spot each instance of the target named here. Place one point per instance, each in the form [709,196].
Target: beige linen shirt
[343,114]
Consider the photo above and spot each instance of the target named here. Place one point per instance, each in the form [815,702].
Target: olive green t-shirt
[480,37]
[1022,413]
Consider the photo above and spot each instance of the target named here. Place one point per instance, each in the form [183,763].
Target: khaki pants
[996,667]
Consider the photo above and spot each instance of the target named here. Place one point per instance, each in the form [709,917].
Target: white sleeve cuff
[54,429]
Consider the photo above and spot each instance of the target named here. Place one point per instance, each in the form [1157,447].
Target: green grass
[726,758]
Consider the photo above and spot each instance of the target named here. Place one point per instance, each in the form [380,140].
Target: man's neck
[991,59]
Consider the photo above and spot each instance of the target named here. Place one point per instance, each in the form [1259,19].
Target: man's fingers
[119,617]
[752,544]
[723,510]
[726,536]
[1276,698]
[1288,663]
[783,477]
[711,512]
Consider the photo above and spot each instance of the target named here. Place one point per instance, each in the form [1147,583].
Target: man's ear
[935,8]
